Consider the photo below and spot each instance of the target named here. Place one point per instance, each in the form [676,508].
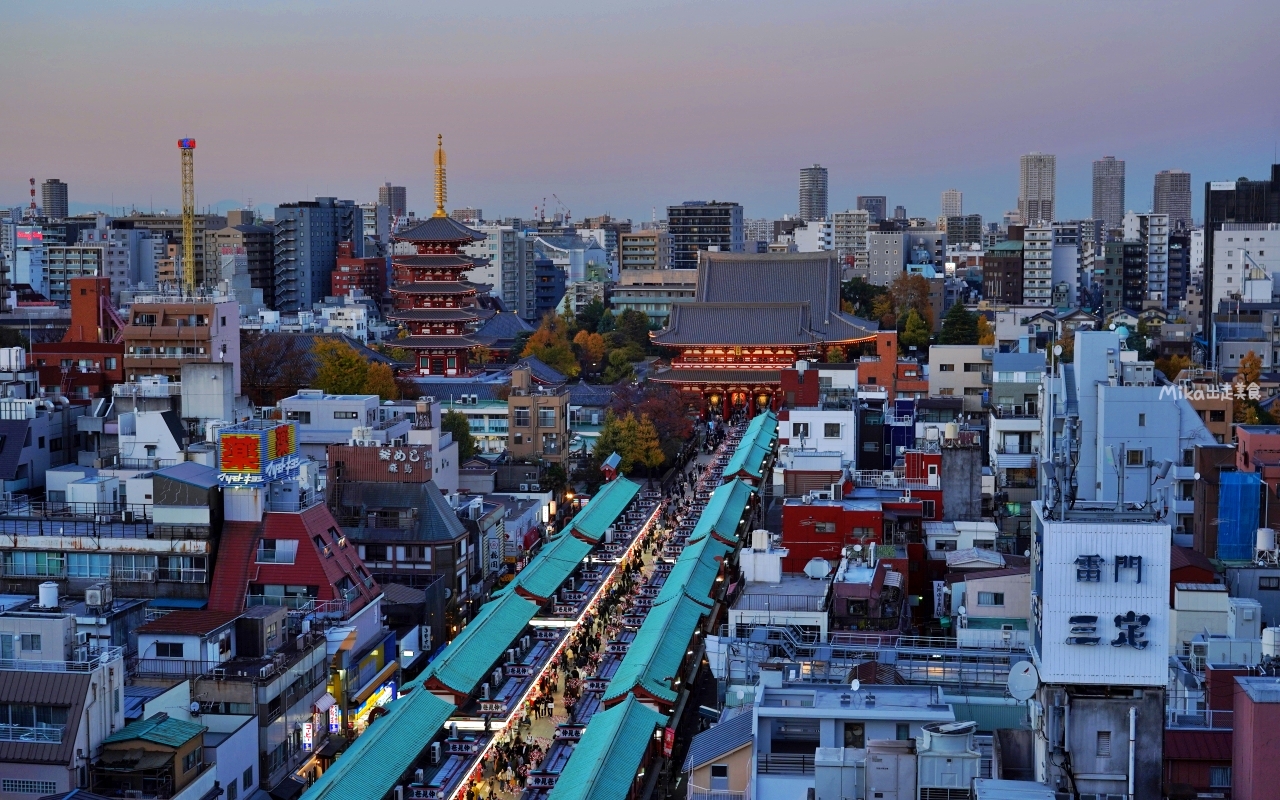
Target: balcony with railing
[1207,719]
[40,734]
[95,659]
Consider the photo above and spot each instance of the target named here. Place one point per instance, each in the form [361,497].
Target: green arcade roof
[549,568]
[695,571]
[468,658]
[373,764]
[657,650]
[605,761]
[604,509]
[724,510]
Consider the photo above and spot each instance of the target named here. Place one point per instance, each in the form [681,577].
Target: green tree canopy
[608,322]
[380,380]
[634,325]
[590,315]
[617,368]
[634,439]
[959,326]
[916,331]
[340,369]
[550,345]
[455,422]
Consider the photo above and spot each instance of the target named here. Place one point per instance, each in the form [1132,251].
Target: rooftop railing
[94,660]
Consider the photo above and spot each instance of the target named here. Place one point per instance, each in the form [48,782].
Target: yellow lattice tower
[441,191]
[188,149]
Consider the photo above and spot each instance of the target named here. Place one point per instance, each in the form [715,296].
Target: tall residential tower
[1036,186]
[1173,197]
[1108,191]
[813,193]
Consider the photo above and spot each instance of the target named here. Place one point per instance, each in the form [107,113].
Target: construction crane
[560,202]
[188,148]
[31,210]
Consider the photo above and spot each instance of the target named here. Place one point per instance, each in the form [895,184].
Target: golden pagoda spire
[441,191]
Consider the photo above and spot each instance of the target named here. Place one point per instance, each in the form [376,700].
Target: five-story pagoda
[439,310]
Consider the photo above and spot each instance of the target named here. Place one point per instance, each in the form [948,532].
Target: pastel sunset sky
[620,107]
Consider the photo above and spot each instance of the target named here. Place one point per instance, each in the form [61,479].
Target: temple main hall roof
[443,230]
[762,299]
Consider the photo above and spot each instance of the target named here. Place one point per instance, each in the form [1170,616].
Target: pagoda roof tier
[438,261]
[754,324]
[745,377]
[440,314]
[436,287]
[445,341]
[443,230]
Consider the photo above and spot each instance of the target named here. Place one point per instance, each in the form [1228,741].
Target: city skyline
[665,145]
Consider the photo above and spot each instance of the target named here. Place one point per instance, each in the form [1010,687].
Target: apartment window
[88,565]
[193,760]
[277,551]
[1104,744]
[35,565]
[300,417]
[522,417]
[1270,583]
[800,430]
[1217,416]
[1188,458]
[972,367]
[946,368]
[346,415]
[233,790]
[927,507]
[1135,458]
[990,598]
[1142,420]
[903,732]
[1220,777]
[169,650]
[248,778]
[824,527]
[30,641]
[831,430]
[546,418]
[110,362]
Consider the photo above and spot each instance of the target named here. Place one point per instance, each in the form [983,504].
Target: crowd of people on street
[517,751]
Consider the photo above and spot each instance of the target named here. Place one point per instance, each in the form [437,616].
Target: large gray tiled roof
[770,298]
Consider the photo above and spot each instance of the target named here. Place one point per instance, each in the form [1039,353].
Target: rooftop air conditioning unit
[524,487]
[82,638]
[496,677]
[484,691]
[418,775]
[435,752]
[146,575]
[537,487]
[511,655]
[524,642]
[398,794]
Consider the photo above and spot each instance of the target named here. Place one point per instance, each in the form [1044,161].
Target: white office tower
[1037,182]
[953,203]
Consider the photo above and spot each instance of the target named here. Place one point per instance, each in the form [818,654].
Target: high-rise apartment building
[258,242]
[849,232]
[813,193]
[394,198]
[757,231]
[644,250]
[1108,191]
[53,198]
[1152,232]
[964,229]
[1173,197]
[1037,265]
[1234,201]
[953,203]
[877,205]
[701,225]
[1037,180]
[169,226]
[306,248]
[900,213]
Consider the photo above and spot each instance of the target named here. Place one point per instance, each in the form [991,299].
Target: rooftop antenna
[441,190]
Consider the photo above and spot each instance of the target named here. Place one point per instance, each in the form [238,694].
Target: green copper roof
[694,574]
[755,446]
[373,764]
[549,568]
[606,760]
[724,510]
[655,654]
[159,728]
[604,508]
[469,657]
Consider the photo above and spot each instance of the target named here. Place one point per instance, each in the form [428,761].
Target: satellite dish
[1196,476]
[1057,349]
[741,695]
[856,685]
[1023,680]
[817,568]
[962,611]
[194,707]
[857,548]
[1027,553]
